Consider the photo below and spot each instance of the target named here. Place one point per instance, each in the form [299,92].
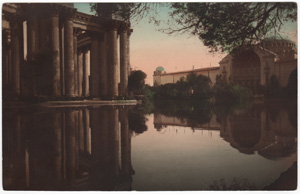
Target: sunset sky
[150,48]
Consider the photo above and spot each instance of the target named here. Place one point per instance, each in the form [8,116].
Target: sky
[150,48]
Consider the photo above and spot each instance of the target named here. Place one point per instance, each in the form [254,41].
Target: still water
[128,148]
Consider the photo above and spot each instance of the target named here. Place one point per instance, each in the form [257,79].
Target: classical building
[251,67]
[161,77]
[51,49]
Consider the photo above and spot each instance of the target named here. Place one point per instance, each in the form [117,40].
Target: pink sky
[150,48]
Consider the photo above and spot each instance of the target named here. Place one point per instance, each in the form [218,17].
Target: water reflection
[268,129]
[67,149]
[117,148]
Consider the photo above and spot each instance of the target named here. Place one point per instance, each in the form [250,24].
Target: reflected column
[113,139]
[126,169]
[58,145]
[70,126]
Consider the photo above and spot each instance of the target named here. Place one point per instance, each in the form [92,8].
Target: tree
[128,11]
[227,26]
[221,26]
[136,81]
[200,85]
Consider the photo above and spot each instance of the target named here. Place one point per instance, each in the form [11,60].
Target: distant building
[251,67]
[160,76]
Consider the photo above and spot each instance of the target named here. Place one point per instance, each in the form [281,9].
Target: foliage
[221,26]
[291,89]
[136,82]
[200,85]
[231,25]
[128,11]
[194,112]
[273,87]
[195,87]
[228,93]
[137,121]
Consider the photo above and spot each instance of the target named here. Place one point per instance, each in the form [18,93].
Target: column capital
[123,27]
[68,12]
[112,25]
[54,9]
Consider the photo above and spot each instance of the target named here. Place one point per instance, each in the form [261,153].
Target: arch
[246,67]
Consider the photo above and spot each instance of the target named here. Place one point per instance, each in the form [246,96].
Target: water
[126,148]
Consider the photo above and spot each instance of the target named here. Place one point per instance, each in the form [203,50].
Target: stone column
[54,42]
[102,67]
[123,60]
[95,87]
[15,54]
[86,63]
[69,55]
[5,58]
[128,50]
[62,58]
[80,72]
[30,87]
[76,72]
[112,59]
[44,31]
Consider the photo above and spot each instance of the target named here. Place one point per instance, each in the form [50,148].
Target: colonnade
[43,57]
[67,148]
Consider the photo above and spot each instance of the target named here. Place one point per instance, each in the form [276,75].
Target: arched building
[51,49]
[251,67]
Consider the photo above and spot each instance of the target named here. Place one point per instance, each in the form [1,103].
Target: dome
[160,68]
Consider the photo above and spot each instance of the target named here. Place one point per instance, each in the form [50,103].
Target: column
[128,50]
[86,63]
[95,87]
[123,60]
[5,58]
[112,59]
[102,67]
[76,73]
[44,32]
[54,42]
[15,54]
[62,58]
[69,56]
[80,72]
[30,87]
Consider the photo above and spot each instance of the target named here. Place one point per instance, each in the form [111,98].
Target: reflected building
[67,149]
[260,129]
